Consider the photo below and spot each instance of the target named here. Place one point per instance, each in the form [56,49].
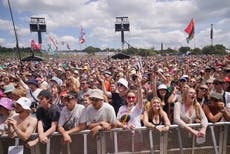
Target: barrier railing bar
[132,138]
[221,137]
[151,141]
[161,143]
[103,143]
[115,142]
[98,144]
[225,139]
[48,147]
[165,142]
[214,139]
[189,149]
[193,143]
[16,141]
[180,140]
[85,143]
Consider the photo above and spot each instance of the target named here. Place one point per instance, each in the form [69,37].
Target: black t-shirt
[48,116]
[117,101]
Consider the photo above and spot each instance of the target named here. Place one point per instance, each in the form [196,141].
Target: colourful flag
[190,29]
[82,39]
[51,40]
[50,49]
[35,46]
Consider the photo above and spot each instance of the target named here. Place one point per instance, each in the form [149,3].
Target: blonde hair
[195,103]
[150,111]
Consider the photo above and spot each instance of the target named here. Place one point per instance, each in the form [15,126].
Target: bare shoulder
[32,119]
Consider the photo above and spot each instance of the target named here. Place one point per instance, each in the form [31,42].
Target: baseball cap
[6,103]
[24,102]
[9,88]
[162,86]
[57,80]
[124,82]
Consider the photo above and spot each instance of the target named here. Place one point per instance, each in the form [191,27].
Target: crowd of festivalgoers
[68,96]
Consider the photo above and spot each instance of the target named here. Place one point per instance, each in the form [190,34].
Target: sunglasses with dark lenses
[204,89]
[120,85]
[94,99]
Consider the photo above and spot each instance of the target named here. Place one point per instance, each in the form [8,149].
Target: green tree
[91,50]
[183,50]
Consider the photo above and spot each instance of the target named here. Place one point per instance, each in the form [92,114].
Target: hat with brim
[32,81]
[162,87]
[9,88]
[57,80]
[6,103]
[97,93]
[216,96]
[24,102]
[124,82]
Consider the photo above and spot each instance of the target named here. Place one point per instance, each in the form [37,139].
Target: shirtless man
[23,124]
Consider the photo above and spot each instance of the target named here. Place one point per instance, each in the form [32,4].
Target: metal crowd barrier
[142,140]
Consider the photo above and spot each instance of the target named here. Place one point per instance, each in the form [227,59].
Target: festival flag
[50,49]
[35,46]
[67,45]
[51,40]
[82,39]
[190,30]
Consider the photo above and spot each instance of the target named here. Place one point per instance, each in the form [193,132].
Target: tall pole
[16,36]
[211,34]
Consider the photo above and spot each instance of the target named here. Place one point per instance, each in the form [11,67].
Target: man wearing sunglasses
[100,115]
[71,120]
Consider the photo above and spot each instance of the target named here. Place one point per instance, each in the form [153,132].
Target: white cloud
[151,22]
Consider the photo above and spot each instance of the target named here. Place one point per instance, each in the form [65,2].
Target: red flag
[190,30]
[82,39]
[35,46]
[32,44]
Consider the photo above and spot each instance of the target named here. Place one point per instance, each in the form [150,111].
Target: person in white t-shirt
[100,115]
[70,120]
[129,115]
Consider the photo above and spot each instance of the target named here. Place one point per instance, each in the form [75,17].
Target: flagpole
[211,35]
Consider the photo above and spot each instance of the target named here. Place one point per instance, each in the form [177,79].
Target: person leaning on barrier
[189,111]
[213,108]
[6,111]
[155,117]
[100,115]
[71,120]
[129,115]
[23,124]
[47,115]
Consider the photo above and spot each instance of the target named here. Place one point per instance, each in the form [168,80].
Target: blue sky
[151,22]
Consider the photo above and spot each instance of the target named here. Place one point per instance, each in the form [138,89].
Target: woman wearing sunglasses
[129,114]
